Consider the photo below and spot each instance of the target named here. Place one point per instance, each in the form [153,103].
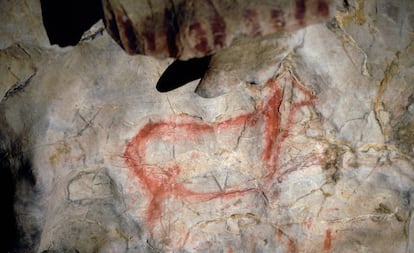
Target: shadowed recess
[180,73]
[66,21]
[7,186]
[16,177]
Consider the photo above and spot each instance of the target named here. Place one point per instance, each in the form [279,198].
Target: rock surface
[186,29]
[309,149]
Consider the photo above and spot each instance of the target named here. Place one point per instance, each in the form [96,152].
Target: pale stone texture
[318,156]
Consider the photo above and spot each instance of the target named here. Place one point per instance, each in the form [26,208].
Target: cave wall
[309,147]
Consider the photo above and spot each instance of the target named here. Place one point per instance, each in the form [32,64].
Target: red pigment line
[197,32]
[304,90]
[272,122]
[217,26]
[323,8]
[251,22]
[277,19]
[308,222]
[150,45]
[300,10]
[327,244]
[272,128]
[286,240]
[162,183]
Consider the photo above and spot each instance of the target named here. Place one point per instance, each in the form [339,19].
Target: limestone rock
[188,29]
[309,147]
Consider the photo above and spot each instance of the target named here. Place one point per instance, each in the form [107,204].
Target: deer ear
[180,73]
[66,21]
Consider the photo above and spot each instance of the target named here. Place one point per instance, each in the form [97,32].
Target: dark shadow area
[180,73]
[9,229]
[8,190]
[16,178]
[66,21]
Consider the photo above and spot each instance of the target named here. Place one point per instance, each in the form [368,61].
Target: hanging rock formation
[306,144]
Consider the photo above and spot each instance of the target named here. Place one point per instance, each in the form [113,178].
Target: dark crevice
[346,4]
[180,73]
[18,189]
[66,21]
[8,190]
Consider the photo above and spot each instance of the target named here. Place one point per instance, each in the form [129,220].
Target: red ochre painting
[161,184]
